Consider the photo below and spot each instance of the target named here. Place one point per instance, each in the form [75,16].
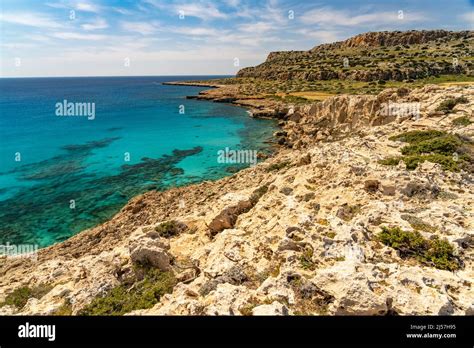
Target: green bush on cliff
[435,253]
[170,229]
[141,295]
[413,137]
[462,121]
[447,162]
[449,104]
[20,296]
[64,310]
[448,150]
[277,166]
[443,145]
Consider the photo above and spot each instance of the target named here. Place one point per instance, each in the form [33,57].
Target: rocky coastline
[300,233]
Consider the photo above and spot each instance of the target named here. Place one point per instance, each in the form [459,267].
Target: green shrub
[462,121]
[444,145]
[306,260]
[449,104]
[436,253]
[462,100]
[447,162]
[411,162]
[170,229]
[142,295]
[441,254]
[64,310]
[277,166]
[391,161]
[408,243]
[20,296]
[432,146]
[417,136]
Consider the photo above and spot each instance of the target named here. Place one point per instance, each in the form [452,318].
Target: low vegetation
[142,294]
[170,229]
[64,310]
[20,296]
[462,121]
[434,252]
[418,224]
[450,151]
[306,260]
[448,105]
[277,166]
[291,99]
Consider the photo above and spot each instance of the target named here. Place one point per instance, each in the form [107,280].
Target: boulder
[371,186]
[275,308]
[152,252]
[227,218]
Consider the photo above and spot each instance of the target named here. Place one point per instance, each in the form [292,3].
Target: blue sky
[184,37]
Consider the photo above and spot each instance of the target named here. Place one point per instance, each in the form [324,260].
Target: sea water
[61,172]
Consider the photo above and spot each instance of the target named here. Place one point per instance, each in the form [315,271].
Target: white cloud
[78,36]
[139,27]
[196,31]
[17,46]
[98,24]
[30,19]
[202,11]
[38,38]
[60,5]
[257,27]
[331,17]
[87,7]
[122,11]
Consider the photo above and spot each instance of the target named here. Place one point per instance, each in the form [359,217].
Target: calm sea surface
[62,174]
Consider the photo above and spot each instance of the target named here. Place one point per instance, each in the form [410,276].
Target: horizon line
[89,76]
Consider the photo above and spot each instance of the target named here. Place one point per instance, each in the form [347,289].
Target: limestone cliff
[374,56]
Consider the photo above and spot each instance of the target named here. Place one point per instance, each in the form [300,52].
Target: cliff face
[396,38]
[296,234]
[374,56]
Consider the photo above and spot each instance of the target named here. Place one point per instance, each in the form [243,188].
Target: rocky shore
[257,106]
[323,227]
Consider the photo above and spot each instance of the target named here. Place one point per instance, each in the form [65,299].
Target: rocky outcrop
[150,252]
[375,56]
[227,218]
[396,38]
[339,116]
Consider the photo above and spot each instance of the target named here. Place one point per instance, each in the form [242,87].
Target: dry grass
[313,95]
[460,83]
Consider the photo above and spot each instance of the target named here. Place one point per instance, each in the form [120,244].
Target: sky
[192,37]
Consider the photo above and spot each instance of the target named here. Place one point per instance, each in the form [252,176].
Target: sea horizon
[104,76]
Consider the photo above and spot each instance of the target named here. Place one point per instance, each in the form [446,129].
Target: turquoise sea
[62,174]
